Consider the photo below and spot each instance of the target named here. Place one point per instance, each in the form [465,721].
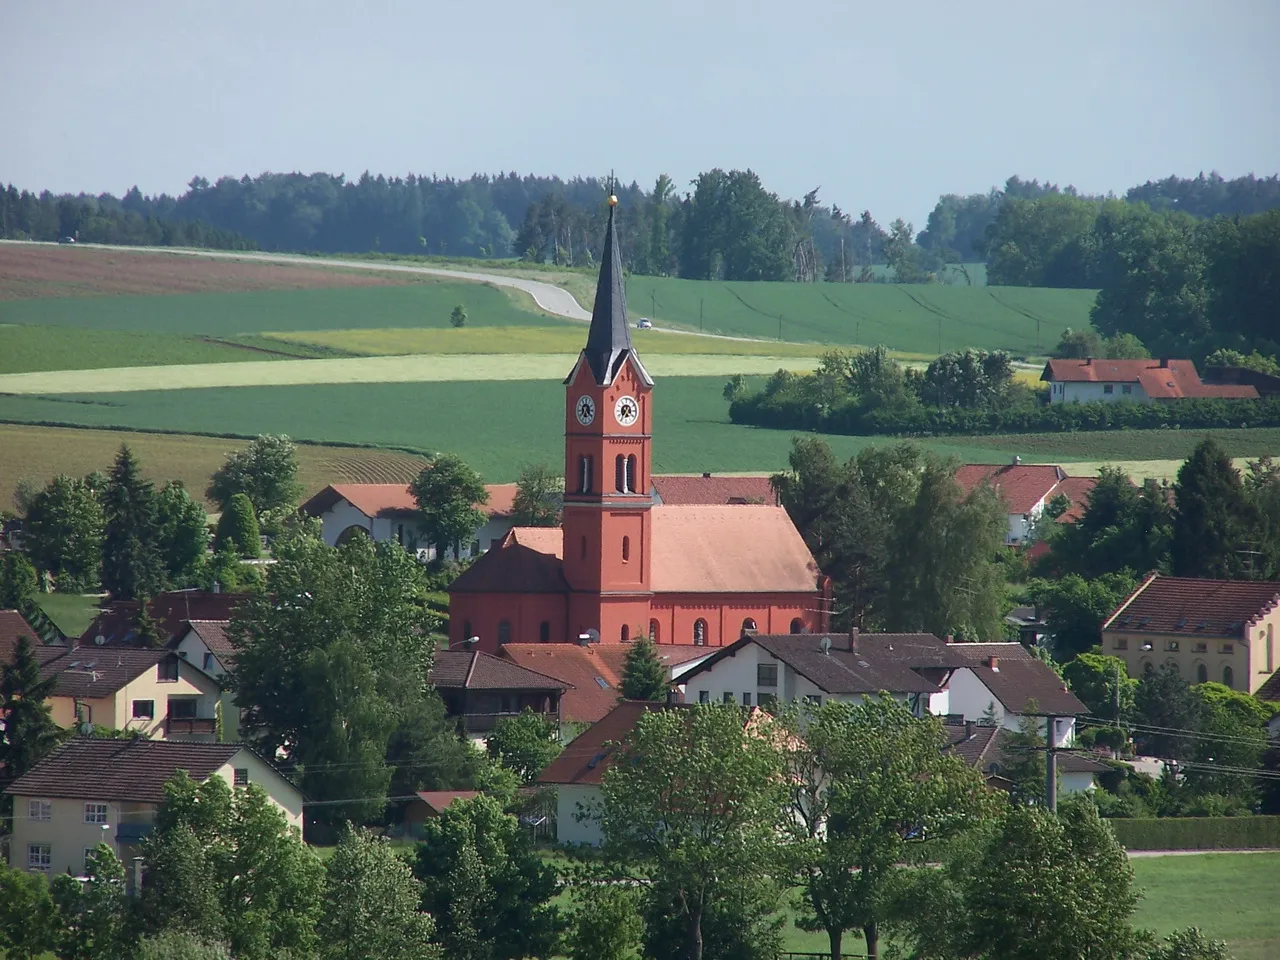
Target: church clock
[585,408]
[626,411]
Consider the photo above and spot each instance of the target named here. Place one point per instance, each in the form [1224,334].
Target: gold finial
[613,200]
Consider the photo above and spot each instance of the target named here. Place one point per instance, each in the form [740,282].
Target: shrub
[238,528]
[1199,833]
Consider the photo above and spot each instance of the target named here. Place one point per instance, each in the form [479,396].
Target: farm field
[38,453]
[1111,446]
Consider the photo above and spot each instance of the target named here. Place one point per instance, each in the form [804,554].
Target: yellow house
[154,691]
[107,791]
[1208,630]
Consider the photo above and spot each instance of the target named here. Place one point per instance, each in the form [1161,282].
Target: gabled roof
[91,673]
[516,567]
[986,749]
[593,673]
[14,625]
[587,756]
[115,770]
[397,499]
[1161,379]
[1196,607]
[1077,490]
[118,622]
[729,549]
[877,662]
[214,635]
[473,670]
[438,800]
[1270,689]
[1021,486]
[1016,679]
[707,489]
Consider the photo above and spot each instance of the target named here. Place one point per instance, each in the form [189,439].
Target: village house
[480,689]
[90,791]
[1208,630]
[987,750]
[429,804]
[388,512]
[1094,380]
[1026,490]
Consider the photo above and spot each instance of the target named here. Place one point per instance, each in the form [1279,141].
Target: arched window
[544,631]
[586,467]
[797,625]
[351,533]
[1147,667]
[626,549]
[1202,673]
[1228,677]
[1173,665]
[620,473]
[632,485]
[584,548]
[626,634]
[749,625]
[504,632]
[653,631]
[700,632]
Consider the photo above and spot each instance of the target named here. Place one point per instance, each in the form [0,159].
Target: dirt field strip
[1138,470]
[419,368]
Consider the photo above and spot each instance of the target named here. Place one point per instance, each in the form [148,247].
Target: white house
[1137,381]
[1006,682]
[985,748]
[389,512]
[107,791]
[1026,490]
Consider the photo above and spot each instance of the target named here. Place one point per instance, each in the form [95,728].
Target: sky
[884,106]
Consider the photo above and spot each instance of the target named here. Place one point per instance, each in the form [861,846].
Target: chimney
[706,476]
[1088,361]
[1017,460]
[853,639]
[1164,363]
[950,638]
[968,729]
[994,663]
[217,587]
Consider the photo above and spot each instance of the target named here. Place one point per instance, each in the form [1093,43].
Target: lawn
[1105,446]
[71,612]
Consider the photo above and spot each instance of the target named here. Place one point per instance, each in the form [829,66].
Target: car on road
[644,323]
[66,239]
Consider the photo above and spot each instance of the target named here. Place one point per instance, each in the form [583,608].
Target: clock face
[626,411]
[585,408]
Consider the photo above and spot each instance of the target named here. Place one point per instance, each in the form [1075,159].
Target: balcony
[473,723]
[190,726]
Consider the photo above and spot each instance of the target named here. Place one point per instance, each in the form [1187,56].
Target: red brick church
[623,561]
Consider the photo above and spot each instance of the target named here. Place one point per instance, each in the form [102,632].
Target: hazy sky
[883,105]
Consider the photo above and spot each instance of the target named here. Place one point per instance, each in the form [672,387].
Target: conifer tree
[238,528]
[28,731]
[131,562]
[643,676]
[1210,516]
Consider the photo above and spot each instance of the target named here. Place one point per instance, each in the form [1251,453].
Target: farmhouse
[625,563]
[1139,381]
[1005,682]
[89,792]
[1219,630]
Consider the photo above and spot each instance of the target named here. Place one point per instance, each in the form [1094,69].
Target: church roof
[527,561]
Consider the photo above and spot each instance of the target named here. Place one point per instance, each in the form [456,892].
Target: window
[1171,646]
[797,625]
[182,708]
[585,469]
[39,856]
[626,634]
[1200,648]
[746,699]
[632,485]
[240,776]
[504,632]
[814,699]
[749,625]
[700,633]
[39,810]
[1227,648]
[704,696]
[544,631]
[620,473]
[95,813]
[1127,389]
[727,697]
[167,670]
[1202,673]
[1122,643]
[144,709]
[1228,677]
[209,662]
[766,674]
[768,701]
[653,631]
[1108,388]
[626,549]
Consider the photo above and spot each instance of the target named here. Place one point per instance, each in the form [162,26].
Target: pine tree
[1210,516]
[643,676]
[131,561]
[29,732]
[238,528]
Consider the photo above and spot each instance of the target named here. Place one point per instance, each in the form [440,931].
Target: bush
[179,945]
[238,528]
[1199,833]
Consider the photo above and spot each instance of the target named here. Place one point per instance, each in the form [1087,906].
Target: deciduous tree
[524,744]
[238,528]
[63,533]
[184,534]
[93,915]
[449,495]
[18,581]
[539,491]
[266,471]
[1075,608]
[28,925]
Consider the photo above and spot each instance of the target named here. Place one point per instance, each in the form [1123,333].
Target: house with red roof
[1026,489]
[1137,381]
[389,512]
[479,689]
[627,560]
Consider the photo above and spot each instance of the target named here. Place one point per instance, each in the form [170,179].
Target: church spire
[609,339]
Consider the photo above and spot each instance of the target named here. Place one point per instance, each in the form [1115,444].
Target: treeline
[104,219]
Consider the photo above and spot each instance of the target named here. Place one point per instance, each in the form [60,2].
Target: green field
[1125,445]
[70,611]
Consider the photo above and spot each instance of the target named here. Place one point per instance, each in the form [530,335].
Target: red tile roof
[1077,490]
[438,800]
[214,635]
[594,673]
[14,625]
[1161,379]
[515,567]
[473,670]
[1270,689]
[115,770]
[392,499]
[706,489]
[171,611]
[1021,486]
[91,673]
[588,756]
[1214,608]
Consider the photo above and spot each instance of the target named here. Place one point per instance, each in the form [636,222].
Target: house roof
[1270,689]
[438,800]
[1021,486]
[113,770]
[214,635]
[118,622]
[14,625]
[473,670]
[878,662]
[729,549]
[985,748]
[91,673]
[397,499]
[517,565]
[1161,379]
[1016,678]
[1077,490]
[586,758]
[1215,608]
[678,490]
[593,673]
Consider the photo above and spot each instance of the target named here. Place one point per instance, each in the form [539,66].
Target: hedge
[1198,833]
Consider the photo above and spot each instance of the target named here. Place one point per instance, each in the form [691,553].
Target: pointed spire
[609,339]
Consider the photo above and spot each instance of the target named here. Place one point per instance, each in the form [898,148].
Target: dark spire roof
[609,340]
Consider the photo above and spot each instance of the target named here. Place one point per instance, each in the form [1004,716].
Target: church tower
[607,437]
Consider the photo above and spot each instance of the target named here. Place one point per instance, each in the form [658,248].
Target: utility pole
[1117,695]
[653,304]
[939,336]
[779,328]
[700,303]
[1050,765]
[1037,333]
[842,276]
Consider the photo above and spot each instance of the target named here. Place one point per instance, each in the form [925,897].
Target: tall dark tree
[18,581]
[1211,516]
[131,557]
[266,471]
[643,675]
[1165,704]
[184,534]
[29,733]
[449,494]
[63,533]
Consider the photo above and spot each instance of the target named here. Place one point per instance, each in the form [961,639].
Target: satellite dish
[825,645]
[100,640]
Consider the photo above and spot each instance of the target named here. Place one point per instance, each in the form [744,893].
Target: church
[623,562]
